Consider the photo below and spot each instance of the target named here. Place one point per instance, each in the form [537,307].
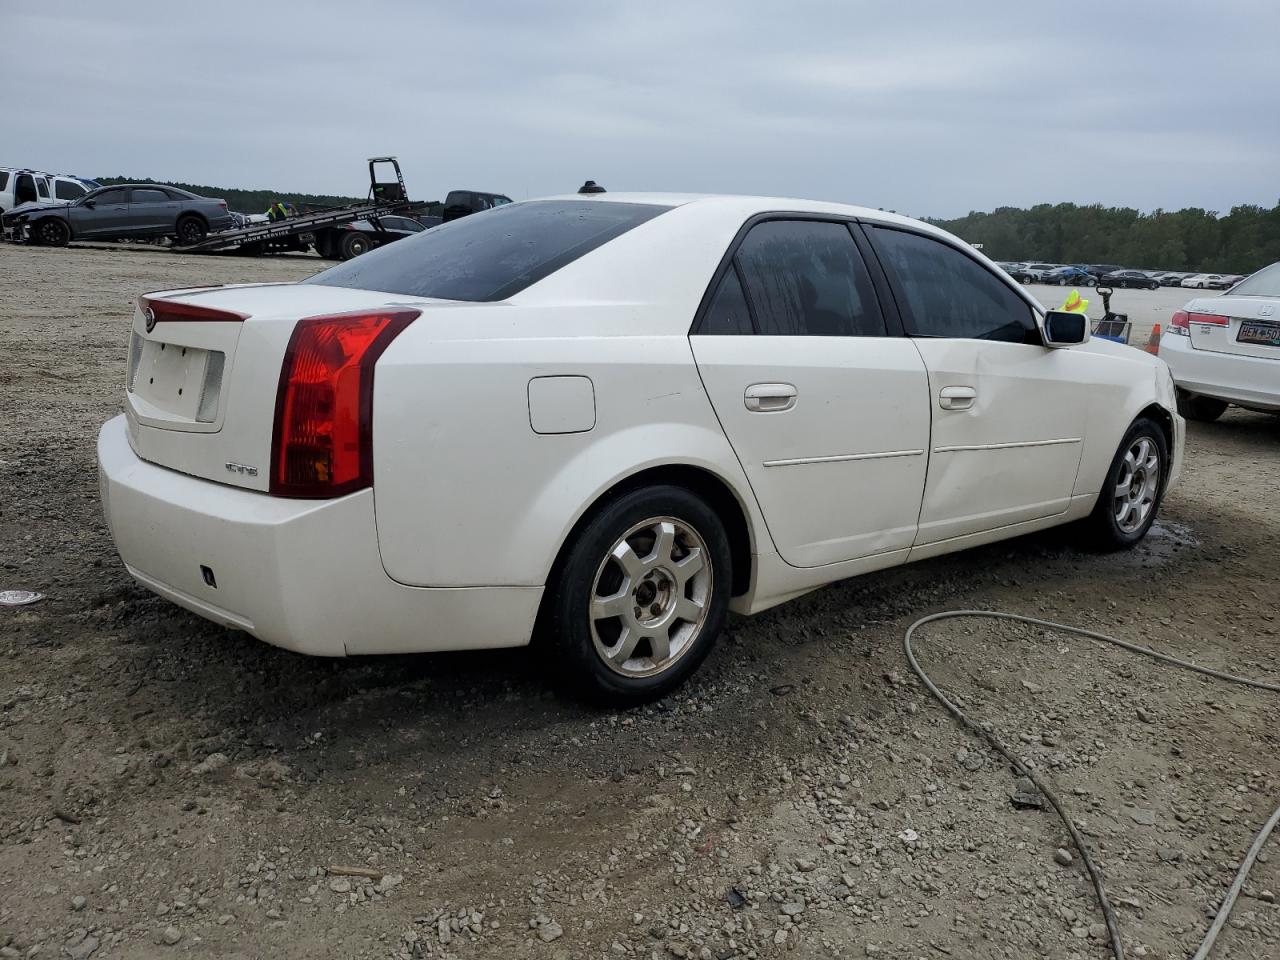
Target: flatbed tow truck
[386,197]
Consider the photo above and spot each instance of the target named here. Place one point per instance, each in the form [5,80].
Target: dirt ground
[170,788]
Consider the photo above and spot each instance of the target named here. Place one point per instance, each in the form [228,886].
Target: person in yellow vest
[277,211]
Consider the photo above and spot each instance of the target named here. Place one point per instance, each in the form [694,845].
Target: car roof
[750,205]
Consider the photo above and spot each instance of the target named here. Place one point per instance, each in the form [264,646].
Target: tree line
[1193,240]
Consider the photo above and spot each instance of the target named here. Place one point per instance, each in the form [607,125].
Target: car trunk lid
[204,370]
[1246,326]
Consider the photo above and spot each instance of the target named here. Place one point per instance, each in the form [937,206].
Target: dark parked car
[1128,278]
[1099,269]
[129,210]
[460,203]
[361,236]
[1070,277]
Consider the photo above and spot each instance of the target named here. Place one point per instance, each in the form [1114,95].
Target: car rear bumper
[1249,381]
[301,574]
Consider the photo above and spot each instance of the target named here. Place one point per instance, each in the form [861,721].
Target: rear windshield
[1264,283]
[491,255]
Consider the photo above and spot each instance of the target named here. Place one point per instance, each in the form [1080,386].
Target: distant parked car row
[121,211]
[1109,274]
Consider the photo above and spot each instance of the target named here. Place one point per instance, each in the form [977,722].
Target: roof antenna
[591,187]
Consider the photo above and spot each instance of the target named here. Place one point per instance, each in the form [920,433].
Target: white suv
[22,186]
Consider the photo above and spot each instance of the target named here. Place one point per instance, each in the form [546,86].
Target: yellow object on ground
[1074,304]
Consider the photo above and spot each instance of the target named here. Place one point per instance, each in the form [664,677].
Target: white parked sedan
[1206,281]
[1226,349]
[611,418]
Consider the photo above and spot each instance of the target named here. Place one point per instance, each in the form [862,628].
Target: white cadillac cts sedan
[603,421]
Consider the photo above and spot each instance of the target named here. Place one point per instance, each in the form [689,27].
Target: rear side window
[950,295]
[806,278]
[728,314]
[4,179]
[68,190]
[42,188]
[491,255]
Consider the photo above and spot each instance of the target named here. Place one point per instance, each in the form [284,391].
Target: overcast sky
[931,109]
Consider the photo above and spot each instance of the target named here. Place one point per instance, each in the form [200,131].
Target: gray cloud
[930,109]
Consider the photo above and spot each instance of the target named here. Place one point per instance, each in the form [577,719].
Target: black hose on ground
[1095,874]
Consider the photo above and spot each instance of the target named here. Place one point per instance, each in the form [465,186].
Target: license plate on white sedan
[1266,334]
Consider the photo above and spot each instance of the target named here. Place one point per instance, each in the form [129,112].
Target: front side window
[149,195]
[806,278]
[947,294]
[492,255]
[68,190]
[4,179]
[108,196]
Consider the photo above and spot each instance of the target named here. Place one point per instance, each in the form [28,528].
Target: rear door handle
[956,398]
[769,397]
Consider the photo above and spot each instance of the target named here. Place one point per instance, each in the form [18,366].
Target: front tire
[52,232]
[640,596]
[1134,485]
[1201,409]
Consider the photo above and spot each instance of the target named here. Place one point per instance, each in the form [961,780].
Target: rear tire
[190,229]
[1201,409]
[1134,486]
[639,597]
[353,245]
[51,232]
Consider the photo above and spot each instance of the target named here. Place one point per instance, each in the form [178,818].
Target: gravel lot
[170,788]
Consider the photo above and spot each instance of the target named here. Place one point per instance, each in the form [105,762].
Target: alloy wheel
[1137,485]
[51,233]
[651,597]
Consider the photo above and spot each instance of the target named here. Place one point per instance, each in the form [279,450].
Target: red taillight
[1179,324]
[322,441]
[163,311]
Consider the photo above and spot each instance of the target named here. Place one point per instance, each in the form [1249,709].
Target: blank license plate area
[170,377]
[1266,334]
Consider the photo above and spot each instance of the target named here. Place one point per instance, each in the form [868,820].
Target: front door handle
[956,398]
[769,397]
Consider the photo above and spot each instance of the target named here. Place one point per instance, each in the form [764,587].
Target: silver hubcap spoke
[1137,485]
[650,597]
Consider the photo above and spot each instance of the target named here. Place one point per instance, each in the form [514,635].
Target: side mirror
[91,204]
[1062,329]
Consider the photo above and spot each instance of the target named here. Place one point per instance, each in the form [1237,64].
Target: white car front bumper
[301,574]
[1249,381]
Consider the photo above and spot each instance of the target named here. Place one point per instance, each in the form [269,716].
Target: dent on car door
[1008,413]
[826,411]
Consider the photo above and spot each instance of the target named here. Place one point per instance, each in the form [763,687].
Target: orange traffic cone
[1153,342]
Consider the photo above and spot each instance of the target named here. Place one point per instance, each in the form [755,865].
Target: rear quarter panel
[467,494]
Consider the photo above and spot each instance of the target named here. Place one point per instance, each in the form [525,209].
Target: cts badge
[151,319]
[240,468]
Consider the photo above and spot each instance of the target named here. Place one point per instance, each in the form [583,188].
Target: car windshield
[491,255]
